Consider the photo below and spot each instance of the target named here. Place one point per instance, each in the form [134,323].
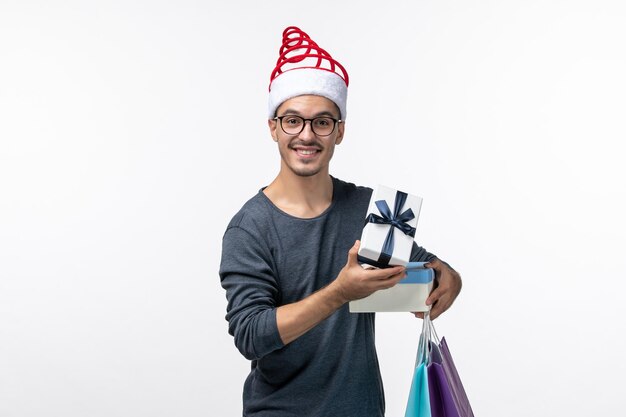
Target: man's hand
[354,282]
[448,288]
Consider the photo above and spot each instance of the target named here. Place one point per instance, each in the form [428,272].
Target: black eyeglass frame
[335,123]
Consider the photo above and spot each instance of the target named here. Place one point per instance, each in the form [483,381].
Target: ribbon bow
[396,220]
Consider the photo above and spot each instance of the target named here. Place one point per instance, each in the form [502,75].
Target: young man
[284,254]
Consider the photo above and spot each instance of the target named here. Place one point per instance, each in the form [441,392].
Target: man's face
[306,154]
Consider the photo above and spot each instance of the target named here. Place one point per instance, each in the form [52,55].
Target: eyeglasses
[294,125]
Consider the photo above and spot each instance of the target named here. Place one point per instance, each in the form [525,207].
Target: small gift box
[387,237]
[408,295]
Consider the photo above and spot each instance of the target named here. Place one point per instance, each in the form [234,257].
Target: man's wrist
[335,294]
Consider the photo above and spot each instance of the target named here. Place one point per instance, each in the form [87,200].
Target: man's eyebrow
[324,113]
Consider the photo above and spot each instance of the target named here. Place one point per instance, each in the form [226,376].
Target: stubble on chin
[305,173]
[302,169]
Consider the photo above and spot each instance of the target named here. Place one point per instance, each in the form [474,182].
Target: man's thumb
[353,253]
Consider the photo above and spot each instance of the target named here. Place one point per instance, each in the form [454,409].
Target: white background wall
[131,132]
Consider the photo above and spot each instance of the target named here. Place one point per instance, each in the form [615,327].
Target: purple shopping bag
[454,382]
[441,402]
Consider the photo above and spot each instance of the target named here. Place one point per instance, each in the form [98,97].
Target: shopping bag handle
[423,348]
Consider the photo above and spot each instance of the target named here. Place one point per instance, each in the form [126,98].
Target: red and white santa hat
[305,68]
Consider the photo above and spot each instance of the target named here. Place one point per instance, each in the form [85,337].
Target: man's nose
[307,131]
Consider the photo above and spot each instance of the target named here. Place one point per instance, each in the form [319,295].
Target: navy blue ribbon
[396,220]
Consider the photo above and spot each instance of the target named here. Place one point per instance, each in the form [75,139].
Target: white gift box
[409,295]
[374,235]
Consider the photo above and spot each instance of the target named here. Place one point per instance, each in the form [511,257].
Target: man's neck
[303,197]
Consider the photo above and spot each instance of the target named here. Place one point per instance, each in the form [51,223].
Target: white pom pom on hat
[305,68]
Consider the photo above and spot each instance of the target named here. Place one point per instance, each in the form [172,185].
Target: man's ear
[340,130]
[271,123]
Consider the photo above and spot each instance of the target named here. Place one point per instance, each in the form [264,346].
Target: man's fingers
[392,280]
[386,273]
[439,302]
[379,279]
[438,309]
[434,263]
[442,304]
[434,296]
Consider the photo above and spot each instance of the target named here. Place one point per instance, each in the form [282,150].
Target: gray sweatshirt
[269,259]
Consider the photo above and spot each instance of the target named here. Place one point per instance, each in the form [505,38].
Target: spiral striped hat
[305,68]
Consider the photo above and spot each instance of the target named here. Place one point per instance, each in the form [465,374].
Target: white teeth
[306,152]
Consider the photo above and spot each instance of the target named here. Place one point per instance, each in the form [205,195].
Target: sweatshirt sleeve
[419,254]
[252,291]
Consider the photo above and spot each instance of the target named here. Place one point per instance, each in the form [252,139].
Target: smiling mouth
[308,152]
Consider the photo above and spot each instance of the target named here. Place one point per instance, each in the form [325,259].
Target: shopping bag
[446,395]
[440,393]
[418,404]
[454,382]
[419,401]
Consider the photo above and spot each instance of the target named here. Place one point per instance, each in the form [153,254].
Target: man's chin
[306,173]
[304,168]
